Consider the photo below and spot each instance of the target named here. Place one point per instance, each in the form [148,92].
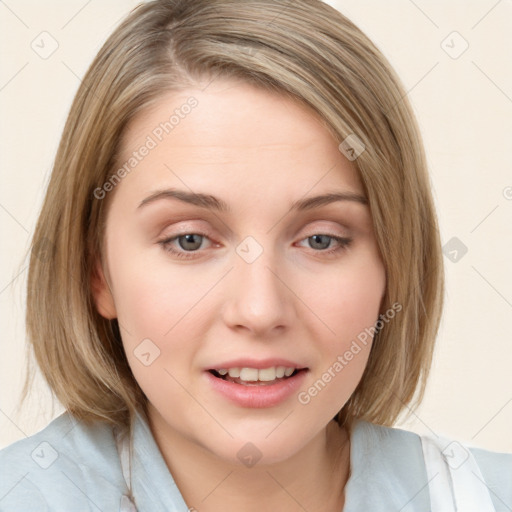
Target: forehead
[235,135]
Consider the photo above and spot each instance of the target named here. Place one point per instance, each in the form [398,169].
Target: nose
[258,298]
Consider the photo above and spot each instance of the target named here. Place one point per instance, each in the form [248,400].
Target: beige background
[464,106]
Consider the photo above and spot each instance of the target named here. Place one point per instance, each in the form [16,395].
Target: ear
[101,293]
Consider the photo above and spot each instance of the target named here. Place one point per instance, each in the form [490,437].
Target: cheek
[150,294]
[349,307]
[352,298]
[142,301]
[160,311]
[155,306]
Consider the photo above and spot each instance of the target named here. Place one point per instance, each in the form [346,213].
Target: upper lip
[257,363]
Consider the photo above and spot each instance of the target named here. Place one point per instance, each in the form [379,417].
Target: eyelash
[343,243]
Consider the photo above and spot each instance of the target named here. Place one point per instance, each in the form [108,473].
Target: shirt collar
[153,484]
[387,471]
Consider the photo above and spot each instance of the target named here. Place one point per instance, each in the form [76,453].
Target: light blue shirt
[73,466]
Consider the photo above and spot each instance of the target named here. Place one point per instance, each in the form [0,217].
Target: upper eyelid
[198,230]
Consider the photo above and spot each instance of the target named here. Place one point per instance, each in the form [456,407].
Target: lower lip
[257,396]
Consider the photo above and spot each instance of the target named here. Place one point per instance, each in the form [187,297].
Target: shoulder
[404,455]
[496,468]
[389,462]
[67,465]
[389,447]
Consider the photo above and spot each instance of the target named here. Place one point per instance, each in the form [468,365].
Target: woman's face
[250,276]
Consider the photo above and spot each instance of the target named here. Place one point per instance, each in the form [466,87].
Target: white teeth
[249,374]
[267,374]
[234,372]
[254,374]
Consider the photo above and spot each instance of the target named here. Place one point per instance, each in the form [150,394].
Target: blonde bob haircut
[303,49]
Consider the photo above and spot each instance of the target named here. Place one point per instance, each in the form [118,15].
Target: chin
[260,445]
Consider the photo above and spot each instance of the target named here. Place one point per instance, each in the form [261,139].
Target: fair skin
[303,300]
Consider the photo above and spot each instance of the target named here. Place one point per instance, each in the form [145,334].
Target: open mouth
[256,376]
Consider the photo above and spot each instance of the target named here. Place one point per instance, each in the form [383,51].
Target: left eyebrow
[210,202]
[317,201]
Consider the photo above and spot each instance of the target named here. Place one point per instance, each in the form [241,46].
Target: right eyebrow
[202,200]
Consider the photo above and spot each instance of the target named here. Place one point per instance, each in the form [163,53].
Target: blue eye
[321,243]
[190,243]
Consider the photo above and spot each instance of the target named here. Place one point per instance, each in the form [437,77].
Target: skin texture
[259,152]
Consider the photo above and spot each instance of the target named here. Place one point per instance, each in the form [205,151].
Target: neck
[313,479]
